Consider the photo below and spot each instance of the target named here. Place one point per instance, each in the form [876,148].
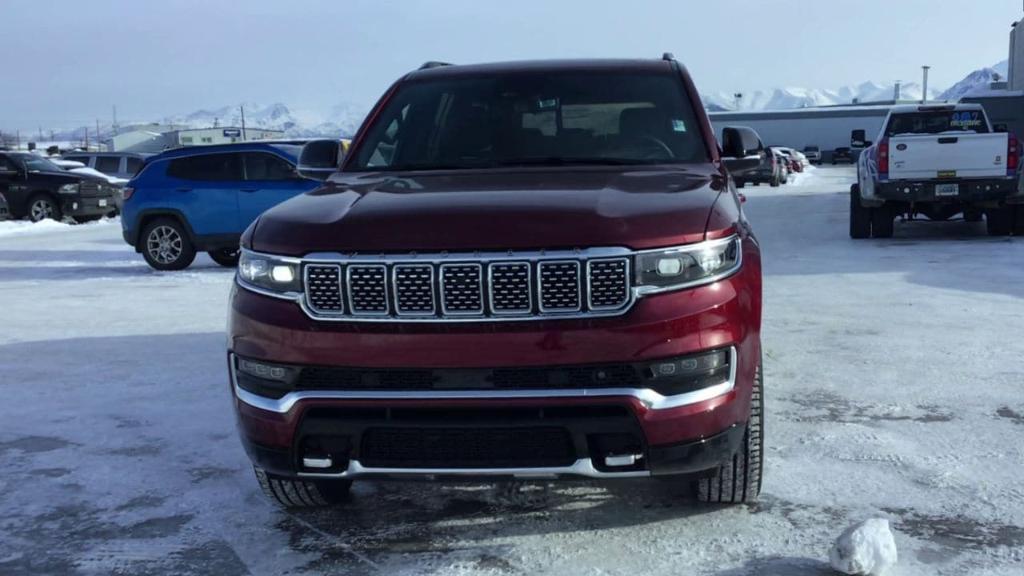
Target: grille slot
[559,286]
[462,289]
[323,288]
[414,290]
[510,288]
[607,284]
[367,290]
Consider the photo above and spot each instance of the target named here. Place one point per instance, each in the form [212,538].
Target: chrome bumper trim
[649,398]
[582,467]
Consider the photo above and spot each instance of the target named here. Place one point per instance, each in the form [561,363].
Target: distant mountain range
[344,119]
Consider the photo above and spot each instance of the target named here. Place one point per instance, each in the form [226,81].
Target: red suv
[528,270]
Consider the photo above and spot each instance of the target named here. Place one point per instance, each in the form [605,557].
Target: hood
[527,209]
[65,176]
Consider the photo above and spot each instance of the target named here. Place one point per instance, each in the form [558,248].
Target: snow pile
[867,548]
[10,228]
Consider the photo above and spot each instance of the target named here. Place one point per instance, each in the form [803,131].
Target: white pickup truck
[938,161]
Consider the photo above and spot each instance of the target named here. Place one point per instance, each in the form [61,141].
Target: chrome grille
[559,286]
[607,284]
[323,288]
[510,288]
[367,290]
[414,289]
[89,188]
[462,289]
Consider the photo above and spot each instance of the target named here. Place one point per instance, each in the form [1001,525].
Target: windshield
[35,163]
[534,119]
[937,122]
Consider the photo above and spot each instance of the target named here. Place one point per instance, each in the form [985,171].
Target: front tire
[739,481]
[860,216]
[166,245]
[226,257]
[44,207]
[290,493]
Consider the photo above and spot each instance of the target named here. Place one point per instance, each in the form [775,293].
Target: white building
[157,138]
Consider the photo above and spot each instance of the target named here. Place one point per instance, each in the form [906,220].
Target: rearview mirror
[742,149]
[320,158]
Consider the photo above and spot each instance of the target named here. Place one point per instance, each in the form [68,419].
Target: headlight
[68,189]
[272,273]
[687,266]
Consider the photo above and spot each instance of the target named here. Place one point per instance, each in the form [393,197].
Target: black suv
[38,189]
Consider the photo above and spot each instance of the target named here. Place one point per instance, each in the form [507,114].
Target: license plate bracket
[947,189]
[103,202]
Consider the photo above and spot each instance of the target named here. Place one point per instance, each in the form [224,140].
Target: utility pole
[924,84]
[896,92]
[114,126]
[739,98]
[98,138]
[242,110]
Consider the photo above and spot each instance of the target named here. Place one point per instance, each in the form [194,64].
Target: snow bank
[867,548]
[11,228]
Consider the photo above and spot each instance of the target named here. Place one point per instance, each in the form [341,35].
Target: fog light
[267,371]
[689,373]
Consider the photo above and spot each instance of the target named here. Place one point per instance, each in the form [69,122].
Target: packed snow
[893,390]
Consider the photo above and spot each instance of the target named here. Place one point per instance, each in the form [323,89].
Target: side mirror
[742,149]
[319,159]
[1001,128]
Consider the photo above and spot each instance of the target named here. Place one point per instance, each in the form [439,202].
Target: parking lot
[893,390]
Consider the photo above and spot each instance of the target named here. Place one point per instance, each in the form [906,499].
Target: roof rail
[433,64]
[668,56]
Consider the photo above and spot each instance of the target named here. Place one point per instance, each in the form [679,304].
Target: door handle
[949,140]
[249,190]
[183,189]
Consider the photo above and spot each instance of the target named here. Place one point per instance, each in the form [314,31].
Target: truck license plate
[103,202]
[947,189]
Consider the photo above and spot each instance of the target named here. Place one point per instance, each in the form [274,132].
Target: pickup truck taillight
[883,157]
[1012,155]
[128,191]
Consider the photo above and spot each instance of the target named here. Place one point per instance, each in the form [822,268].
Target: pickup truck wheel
[1000,221]
[226,257]
[774,182]
[166,245]
[882,222]
[739,481]
[42,207]
[291,493]
[860,217]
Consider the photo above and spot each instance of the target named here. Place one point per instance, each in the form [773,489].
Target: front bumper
[920,191]
[89,206]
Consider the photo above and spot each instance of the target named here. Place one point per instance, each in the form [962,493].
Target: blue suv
[201,199]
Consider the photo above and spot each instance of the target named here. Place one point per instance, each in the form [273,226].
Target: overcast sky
[68,62]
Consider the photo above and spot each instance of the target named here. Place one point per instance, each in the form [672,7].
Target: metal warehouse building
[827,128]
[154,139]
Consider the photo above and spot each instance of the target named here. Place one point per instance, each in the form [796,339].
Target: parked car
[626,344]
[38,189]
[202,198]
[770,171]
[117,164]
[783,162]
[813,154]
[842,155]
[938,161]
[793,161]
[5,211]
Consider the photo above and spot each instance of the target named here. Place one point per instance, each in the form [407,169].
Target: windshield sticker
[678,125]
[966,120]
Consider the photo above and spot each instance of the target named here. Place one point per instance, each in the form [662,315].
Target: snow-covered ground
[894,372]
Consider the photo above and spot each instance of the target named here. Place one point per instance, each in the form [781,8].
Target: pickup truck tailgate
[949,155]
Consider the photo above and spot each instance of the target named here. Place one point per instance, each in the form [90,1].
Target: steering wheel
[653,148]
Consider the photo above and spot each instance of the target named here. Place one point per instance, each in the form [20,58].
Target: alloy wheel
[41,209]
[164,244]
